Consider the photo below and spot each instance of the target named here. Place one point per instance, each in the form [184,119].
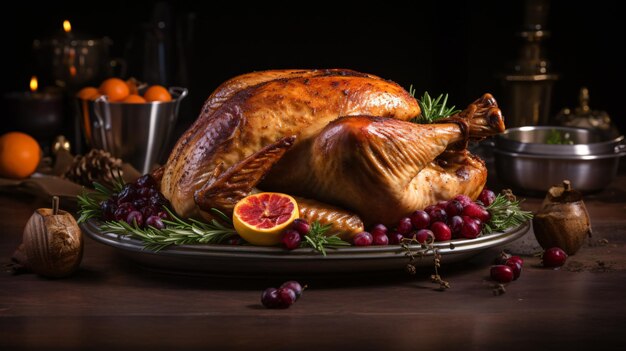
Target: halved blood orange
[261,218]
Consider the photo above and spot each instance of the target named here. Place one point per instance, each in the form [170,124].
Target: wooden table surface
[113,304]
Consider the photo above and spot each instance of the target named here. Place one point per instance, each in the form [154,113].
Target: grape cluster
[139,202]
[283,297]
[459,217]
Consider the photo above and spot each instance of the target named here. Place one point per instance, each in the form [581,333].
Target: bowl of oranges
[131,120]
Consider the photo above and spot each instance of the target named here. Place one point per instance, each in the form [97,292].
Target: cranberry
[441,231]
[295,286]
[486,197]
[135,217]
[378,229]
[454,208]
[291,239]
[501,273]
[476,211]
[146,180]
[155,221]
[516,267]
[363,239]
[463,199]
[470,228]
[456,224]
[554,257]
[424,236]
[301,226]
[380,239]
[404,225]
[395,238]
[420,219]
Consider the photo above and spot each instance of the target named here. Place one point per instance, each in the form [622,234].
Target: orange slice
[261,218]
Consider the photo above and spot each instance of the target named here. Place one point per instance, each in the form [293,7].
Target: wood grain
[110,303]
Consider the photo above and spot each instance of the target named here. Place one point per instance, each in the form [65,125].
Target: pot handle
[620,150]
[103,120]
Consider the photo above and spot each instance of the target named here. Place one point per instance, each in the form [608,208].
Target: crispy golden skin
[253,111]
[383,168]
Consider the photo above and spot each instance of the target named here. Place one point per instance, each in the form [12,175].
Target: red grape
[470,228]
[380,239]
[291,239]
[404,225]
[476,211]
[424,236]
[363,239]
[301,226]
[420,219]
[486,197]
[441,231]
[501,274]
[554,257]
[378,229]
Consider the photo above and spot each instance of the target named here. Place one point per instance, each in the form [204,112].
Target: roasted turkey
[339,139]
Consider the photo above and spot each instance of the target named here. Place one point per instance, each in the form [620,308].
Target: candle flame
[33,84]
[67,27]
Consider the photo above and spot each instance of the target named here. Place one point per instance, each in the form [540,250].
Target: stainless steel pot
[137,133]
[526,163]
[532,139]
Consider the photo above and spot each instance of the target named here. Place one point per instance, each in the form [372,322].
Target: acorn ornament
[563,220]
[52,243]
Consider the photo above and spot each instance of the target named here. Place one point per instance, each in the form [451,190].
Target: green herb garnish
[432,109]
[505,213]
[317,239]
[176,232]
[555,137]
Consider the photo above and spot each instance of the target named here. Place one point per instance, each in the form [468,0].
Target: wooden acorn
[563,220]
[52,243]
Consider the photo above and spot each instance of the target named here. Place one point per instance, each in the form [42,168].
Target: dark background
[461,48]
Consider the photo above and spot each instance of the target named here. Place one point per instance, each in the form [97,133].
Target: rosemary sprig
[432,109]
[89,201]
[317,239]
[505,213]
[176,232]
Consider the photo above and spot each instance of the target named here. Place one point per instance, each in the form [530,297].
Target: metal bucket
[137,133]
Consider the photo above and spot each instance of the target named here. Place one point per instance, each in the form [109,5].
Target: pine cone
[96,166]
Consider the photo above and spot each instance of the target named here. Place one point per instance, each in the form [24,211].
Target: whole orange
[115,89]
[134,99]
[157,93]
[19,155]
[88,93]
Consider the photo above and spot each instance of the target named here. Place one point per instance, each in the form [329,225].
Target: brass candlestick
[529,84]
